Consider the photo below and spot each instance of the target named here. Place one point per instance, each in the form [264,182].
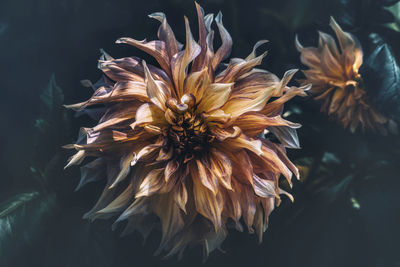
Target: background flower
[337,83]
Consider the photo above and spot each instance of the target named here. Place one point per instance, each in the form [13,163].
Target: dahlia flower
[180,145]
[337,83]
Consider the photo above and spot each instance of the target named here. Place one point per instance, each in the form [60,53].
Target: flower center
[187,134]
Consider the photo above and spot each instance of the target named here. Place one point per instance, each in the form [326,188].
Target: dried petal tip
[336,81]
[180,145]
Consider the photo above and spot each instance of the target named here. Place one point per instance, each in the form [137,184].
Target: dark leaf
[22,222]
[52,97]
[381,77]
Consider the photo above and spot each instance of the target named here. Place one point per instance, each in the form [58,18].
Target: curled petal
[180,61]
[252,124]
[156,49]
[226,47]
[166,34]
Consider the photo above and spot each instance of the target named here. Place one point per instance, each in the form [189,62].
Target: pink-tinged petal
[275,107]
[117,73]
[309,55]
[263,188]
[166,34]
[225,49]
[111,119]
[256,46]
[203,60]
[238,67]
[156,49]
[181,61]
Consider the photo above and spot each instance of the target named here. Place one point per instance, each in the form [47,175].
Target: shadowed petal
[207,203]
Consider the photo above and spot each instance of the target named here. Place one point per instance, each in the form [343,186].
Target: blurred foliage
[346,207]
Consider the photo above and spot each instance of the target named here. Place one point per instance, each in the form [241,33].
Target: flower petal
[148,114]
[215,97]
[221,168]
[157,91]
[180,61]
[166,34]
[225,49]
[207,203]
[156,49]
[151,184]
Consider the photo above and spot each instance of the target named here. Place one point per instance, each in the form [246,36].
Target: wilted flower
[180,145]
[337,83]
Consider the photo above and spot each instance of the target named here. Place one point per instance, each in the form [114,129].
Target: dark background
[346,211]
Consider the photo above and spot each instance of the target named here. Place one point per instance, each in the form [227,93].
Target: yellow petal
[157,91]
[215,97]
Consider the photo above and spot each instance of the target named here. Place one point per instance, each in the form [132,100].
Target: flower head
[337,83]
[180,145]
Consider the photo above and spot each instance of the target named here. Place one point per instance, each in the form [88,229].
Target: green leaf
[395,11]
[52,97]
[22,223]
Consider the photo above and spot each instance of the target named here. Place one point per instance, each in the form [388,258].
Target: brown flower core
[188,135]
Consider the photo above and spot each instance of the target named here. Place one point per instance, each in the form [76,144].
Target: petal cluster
[180,144]
[337,83]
